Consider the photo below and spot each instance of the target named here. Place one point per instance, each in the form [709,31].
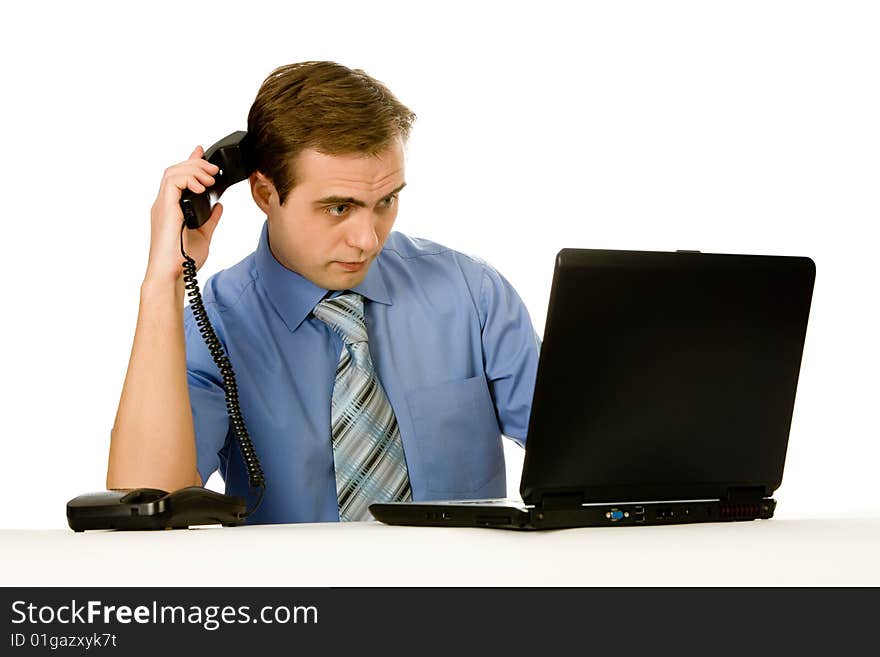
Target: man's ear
[263,191]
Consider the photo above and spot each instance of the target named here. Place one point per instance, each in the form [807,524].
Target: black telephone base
[151,508]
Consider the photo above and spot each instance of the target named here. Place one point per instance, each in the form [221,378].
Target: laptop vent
[736,511]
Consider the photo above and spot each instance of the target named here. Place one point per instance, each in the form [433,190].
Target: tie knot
[345,315]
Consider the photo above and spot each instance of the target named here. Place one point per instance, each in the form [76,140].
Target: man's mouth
[351,266]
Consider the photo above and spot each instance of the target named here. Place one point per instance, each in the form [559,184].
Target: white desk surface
[784,551]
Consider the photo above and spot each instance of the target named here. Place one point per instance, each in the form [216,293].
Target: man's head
[329,152]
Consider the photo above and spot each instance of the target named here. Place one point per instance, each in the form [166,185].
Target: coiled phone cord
[200,315]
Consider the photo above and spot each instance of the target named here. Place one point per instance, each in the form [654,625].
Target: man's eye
[389,201]
[337,207]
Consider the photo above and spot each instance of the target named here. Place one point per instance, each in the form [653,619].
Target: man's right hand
[166,218]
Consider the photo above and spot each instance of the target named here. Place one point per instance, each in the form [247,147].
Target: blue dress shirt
[452,344]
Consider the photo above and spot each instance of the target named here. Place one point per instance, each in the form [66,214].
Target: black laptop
[665,391]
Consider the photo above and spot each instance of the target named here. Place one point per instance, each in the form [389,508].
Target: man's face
[337,217]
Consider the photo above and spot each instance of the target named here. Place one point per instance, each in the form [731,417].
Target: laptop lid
[666,376]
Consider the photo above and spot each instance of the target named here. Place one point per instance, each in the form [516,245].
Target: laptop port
[438,515]
[614,515]
[639,514]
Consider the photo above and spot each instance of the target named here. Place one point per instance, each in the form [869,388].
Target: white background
[737,127]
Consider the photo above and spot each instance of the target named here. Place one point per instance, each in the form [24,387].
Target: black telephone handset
[234,157]
[151,508]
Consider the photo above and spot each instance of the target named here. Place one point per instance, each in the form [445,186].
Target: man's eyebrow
[329,200]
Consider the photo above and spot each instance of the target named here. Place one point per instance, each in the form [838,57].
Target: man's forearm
[153,440]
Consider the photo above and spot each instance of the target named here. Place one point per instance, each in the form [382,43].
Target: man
[370,366]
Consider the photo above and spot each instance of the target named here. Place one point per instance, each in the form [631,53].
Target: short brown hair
[325,106]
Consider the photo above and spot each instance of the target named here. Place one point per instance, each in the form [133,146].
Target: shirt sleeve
[510,353]
[207,399]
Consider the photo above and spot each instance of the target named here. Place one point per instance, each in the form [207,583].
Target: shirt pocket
[458,435]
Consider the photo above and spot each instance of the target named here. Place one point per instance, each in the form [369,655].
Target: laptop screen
[666,375]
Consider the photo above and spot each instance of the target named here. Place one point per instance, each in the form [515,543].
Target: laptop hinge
[745,495]
[561,500]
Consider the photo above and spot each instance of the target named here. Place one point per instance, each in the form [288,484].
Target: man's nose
[362,231]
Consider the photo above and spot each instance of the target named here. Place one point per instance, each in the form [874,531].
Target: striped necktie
[367,449]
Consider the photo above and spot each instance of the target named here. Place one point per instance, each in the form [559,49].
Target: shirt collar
[294,296]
